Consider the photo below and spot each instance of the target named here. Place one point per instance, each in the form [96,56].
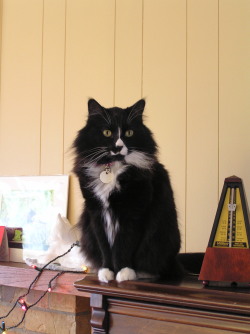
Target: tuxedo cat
[129,221]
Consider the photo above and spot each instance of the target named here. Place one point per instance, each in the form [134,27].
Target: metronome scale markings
[231,231]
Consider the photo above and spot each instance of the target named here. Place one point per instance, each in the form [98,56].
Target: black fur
[142,204]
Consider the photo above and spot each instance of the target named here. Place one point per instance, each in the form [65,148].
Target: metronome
[227,258]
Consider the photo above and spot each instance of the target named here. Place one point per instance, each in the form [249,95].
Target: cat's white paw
[105,275]
[126,274]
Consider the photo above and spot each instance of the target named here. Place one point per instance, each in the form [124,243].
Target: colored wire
[27,307]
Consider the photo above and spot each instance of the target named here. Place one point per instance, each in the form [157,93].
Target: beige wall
[190,59]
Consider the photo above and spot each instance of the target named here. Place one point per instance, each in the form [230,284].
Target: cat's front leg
[126,274]
[123,251]
[105,272]
[105,275]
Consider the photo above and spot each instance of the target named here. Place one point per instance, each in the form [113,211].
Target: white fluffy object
[63,235]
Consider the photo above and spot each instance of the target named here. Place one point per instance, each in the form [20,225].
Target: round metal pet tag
[106,176]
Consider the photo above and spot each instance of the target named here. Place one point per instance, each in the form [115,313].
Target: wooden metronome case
[228,264]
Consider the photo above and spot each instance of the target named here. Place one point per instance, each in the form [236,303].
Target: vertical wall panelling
[128,52]
[189,58]
[21,87]
[234,87]
[52,154]
[164,85]
[89,71]
[202,121]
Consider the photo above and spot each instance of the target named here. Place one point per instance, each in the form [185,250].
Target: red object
[2,230]
[4,248]
[226,265]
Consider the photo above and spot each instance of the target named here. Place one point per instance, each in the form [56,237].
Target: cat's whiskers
[95,155]
[86,158]
[140,150]
[94,148]
[97,151]
[96,159]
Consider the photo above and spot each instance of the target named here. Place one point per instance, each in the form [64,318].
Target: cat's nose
[117,149]
[119,143]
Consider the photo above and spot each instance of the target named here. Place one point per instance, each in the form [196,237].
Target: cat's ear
[94,107]
[136,111]
[139,106]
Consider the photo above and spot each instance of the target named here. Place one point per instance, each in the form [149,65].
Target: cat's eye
[107,133]
[129,133]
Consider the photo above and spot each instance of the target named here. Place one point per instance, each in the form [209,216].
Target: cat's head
[115,134]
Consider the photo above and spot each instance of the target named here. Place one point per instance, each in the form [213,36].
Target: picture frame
[29,207]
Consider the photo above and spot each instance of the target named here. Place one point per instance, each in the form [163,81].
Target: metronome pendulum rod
[231,209]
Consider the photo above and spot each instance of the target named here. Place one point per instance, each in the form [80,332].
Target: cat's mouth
[110,158]
[117,157]
[119,152]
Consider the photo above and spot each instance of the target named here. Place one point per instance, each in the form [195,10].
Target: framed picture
[29,207]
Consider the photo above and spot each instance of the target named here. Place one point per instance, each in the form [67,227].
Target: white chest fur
[103,191]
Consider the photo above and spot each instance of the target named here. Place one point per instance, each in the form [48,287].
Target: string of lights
[21,299]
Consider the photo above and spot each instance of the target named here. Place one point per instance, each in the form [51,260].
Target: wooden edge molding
[20,275]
